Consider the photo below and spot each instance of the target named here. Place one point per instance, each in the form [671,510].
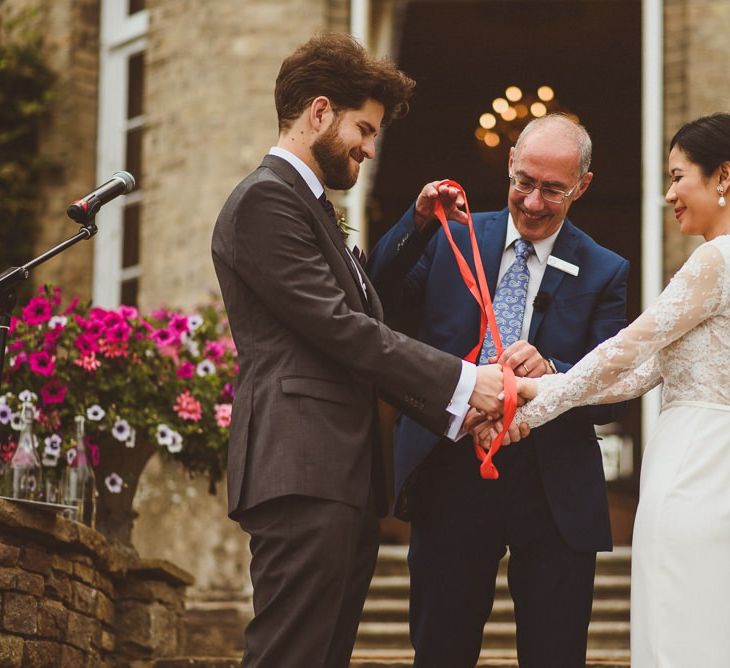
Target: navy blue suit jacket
[574,314]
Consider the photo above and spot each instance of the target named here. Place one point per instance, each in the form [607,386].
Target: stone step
[392,560]
[397,586]
[388,658]
[497,635]
[396,610]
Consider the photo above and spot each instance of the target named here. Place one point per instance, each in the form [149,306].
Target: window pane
[130,289]
[135,85]
[130,241]
[136,6]
[134,155]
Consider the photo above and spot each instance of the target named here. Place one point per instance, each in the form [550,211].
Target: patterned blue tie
[509,301]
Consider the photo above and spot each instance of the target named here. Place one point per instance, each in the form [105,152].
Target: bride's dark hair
[705,141]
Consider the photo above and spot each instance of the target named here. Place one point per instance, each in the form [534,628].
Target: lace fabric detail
[682,340]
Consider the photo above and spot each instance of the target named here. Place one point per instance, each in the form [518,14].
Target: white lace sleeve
[625,365]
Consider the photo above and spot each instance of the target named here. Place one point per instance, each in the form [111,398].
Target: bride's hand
[526,390]
[488,430]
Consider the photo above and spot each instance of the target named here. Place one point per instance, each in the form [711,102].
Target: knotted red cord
[480,291]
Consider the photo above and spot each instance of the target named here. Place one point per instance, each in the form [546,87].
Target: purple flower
[118,332]
[228,392]
[42,363]
[86,344]
[37,311]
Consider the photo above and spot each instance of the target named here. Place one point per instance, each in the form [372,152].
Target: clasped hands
[484,419]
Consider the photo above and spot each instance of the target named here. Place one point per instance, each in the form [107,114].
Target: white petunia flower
[164,434]
[53,445]
[71,456]
[114,483]
[121,430]
[205,368]
[192,347]
[49,459]
[6,414]
[95,413]
[27,395]
[16,421]
[57,320]
[177,443]
[194,321]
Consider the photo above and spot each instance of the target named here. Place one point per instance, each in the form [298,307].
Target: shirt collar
[543,248]
[304,170]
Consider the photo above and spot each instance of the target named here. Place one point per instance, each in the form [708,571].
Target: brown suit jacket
[312,349]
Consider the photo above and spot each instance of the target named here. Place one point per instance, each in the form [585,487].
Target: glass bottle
[79,482]
[23,475]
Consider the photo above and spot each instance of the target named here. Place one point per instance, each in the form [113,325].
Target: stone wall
[70,600]
[70,30]
[697,81]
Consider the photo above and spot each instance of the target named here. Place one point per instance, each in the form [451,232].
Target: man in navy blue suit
[549,505]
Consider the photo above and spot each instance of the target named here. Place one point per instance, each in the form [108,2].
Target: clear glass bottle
[23,474]
[79,482]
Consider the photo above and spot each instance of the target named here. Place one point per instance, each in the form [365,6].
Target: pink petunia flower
[214,350]
[179,323]
[88,362]
[186,370]
[223,415]
[188,407]
[37,311]
[72,306]
[128,312]
[42,363]
[86,344]
[53,392]
[165,337]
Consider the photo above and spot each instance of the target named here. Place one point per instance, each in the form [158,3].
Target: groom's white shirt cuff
[459,404]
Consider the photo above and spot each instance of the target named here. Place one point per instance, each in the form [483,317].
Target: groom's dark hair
[705,141]
[337,66]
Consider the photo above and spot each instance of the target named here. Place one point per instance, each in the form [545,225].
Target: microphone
[84,209]
[541,301]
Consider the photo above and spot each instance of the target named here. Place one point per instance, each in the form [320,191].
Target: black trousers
[461,527]
[311,565]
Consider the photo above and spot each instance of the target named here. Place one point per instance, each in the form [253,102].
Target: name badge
[562,265]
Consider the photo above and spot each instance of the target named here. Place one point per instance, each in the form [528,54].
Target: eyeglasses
[552,195]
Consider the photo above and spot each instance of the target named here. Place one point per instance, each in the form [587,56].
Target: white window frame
[122,36]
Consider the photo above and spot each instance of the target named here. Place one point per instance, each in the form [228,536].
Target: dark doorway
[463,55]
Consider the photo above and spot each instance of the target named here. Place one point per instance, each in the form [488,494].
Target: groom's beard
[333,159]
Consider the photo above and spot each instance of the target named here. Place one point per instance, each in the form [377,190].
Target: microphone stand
[14,275]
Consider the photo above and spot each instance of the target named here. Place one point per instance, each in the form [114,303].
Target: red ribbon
[478,288]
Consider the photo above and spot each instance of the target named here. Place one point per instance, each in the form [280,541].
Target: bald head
[560,127]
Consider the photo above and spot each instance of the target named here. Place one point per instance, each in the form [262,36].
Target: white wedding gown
[680,589]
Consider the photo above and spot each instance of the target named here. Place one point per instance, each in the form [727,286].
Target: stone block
[20,613]
[38,561]
[41,654]
[107,641]
[9,554]
[58,586]
[7,578]
[104,585]
[85,599]
[59,563]
[105,609]
[149,591]
[52,620]
[11,651]
[71,657]
[85,573]
[30,583]
[81,631]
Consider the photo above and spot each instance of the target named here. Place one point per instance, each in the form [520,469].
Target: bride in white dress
[680,590]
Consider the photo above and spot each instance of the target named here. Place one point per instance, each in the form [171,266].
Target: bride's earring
[721,201]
